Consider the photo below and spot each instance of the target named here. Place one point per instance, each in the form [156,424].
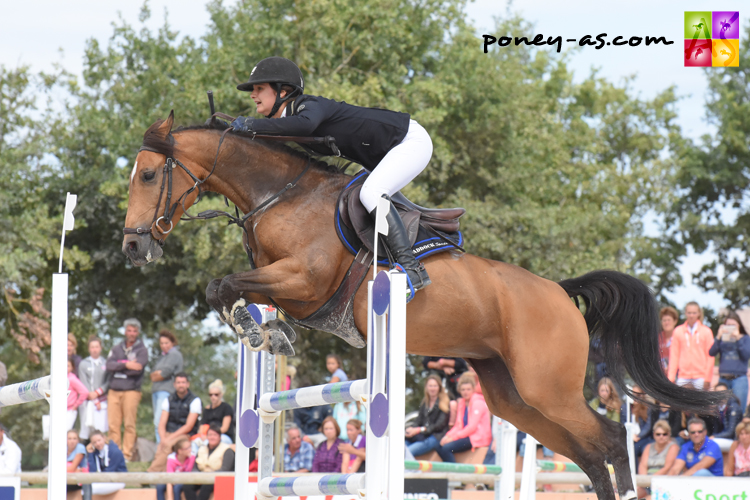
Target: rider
[392,146]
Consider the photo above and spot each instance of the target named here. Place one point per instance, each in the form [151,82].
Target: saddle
[430,230]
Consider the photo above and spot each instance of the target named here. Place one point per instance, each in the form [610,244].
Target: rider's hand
[242,124]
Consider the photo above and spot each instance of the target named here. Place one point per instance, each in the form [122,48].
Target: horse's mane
[154,141]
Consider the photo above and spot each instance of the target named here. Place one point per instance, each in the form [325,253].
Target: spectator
[105,457]
[327,457]
[726,421]
[298,454]
[738,460]
[732,345]
[310,421]
[218,412]
[689,361]
[700,456]
[608,402]
[126,362]
[432,420]
[180,460]
[669,318]
[449,369]
[673,418]
[640,410]
[333,365]
[472,427]
[72,354]
[659,456]
[77,394]
[212,457]
[10,454]
[344,412]
[167,364]
[179,417]
[77,461]
[353,452]
[94,376]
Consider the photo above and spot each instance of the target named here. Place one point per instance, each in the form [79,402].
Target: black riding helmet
[276,71]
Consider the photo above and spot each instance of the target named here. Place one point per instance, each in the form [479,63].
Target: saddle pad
[356,230]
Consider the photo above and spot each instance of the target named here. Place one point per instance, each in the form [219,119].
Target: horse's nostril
[133,247]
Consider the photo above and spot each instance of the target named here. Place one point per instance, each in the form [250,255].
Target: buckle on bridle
[162,231]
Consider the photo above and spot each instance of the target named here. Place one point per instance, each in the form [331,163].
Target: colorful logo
[712,38]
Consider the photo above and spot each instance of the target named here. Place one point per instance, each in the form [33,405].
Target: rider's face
[265,97]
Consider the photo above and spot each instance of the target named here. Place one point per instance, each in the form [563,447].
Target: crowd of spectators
[453,417]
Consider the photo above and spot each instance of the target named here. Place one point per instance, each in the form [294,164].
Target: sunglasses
[697,432]
[657,434]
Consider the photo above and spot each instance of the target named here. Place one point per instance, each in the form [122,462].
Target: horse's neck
[246,172]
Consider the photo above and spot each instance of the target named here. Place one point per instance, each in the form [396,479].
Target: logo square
[726,24]
[698,52]
[726,53]
[698,24]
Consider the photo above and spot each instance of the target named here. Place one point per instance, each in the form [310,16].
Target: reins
[159,233]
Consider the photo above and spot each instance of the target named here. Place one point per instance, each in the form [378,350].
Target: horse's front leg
[231,295]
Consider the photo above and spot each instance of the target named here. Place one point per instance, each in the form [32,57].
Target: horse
[525,336]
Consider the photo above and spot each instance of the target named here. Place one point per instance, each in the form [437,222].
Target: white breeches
[399,167]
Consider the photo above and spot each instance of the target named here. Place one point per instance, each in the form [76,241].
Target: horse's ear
[170,121]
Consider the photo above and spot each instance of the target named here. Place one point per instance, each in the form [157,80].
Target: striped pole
[26,392]
[424,466]
[312,484]
[305,397]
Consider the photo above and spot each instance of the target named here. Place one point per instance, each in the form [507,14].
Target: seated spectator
[432,421]
[180,460]
[77,394]
[472,427]
[643,417]
[94,376]
[659,456]
[310,421]
[327,457]
[162,375]
[608,402]
[218,412]
[353,452]
[298,454]
[449,370]
[726,421]
[179,417]
[72,354]
[732,345]
[334,366]
[344,412]
[673,418]
[738,460]
[214,456]
[77,461]
[700,456]
[10,454]
[105,457]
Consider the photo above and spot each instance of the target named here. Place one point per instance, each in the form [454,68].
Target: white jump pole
[528,477]
[507,456]
[56,482]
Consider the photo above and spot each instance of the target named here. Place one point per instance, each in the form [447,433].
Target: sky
[32,33]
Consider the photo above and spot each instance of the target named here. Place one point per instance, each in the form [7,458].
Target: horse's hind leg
[504,401]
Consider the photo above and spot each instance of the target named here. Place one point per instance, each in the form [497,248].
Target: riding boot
[400,247]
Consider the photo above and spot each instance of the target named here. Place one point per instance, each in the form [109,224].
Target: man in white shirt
[179,417]
[10,454]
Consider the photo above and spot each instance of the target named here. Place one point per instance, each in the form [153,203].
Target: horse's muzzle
[141,249]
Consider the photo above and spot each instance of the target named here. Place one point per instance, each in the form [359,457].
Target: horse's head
[156,195]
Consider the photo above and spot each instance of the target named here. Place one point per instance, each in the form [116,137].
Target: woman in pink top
[689,361]
[472,427]
[738,461]
[180,460]
[78,394]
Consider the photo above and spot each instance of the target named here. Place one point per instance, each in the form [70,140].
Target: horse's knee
[226,291]
[212,293]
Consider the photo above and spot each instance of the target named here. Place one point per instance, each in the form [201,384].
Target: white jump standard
[383,393]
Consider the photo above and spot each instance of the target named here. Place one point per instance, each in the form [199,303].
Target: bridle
[159,233]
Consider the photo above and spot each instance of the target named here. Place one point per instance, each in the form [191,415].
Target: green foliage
[714,176]
[557,176]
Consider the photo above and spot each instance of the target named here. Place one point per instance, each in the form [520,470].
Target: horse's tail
[623,314]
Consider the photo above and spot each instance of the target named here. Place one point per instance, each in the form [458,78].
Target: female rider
[392,146]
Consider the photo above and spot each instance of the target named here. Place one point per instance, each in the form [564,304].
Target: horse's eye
[149,175]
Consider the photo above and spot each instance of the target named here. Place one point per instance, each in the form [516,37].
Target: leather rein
[157,229]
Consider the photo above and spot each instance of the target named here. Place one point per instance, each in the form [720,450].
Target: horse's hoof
[277,324]
[278,343]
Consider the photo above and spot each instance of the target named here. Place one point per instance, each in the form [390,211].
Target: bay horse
[524,335]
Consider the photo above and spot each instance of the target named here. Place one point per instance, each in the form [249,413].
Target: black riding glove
[242,124]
